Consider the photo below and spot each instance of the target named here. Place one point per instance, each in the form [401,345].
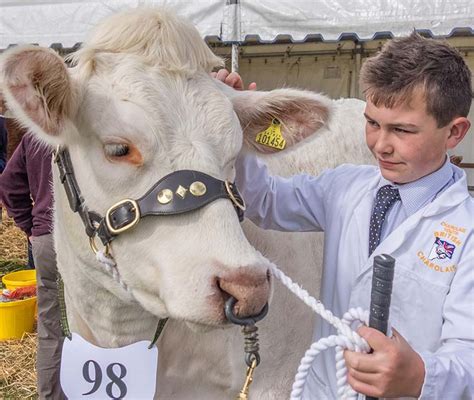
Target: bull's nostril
[225,294]
[250,289]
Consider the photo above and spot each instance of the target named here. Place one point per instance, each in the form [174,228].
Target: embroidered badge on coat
[441,250]
[441,256]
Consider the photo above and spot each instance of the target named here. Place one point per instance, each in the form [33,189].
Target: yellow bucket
[17,279]
[16,318]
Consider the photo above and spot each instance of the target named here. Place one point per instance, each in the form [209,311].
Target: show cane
[382,280]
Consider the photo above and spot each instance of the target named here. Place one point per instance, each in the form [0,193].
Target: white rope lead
[110,266]
[345,339]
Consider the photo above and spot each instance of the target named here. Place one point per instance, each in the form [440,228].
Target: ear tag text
[272,137]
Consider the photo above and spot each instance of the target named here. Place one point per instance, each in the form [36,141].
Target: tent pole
[235,57]
[234,8]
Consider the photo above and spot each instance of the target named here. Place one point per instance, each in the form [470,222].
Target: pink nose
[251,289]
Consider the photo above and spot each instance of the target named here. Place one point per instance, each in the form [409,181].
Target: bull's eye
[113,150]
[123,152]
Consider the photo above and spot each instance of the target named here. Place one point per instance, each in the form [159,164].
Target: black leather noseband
[177,193]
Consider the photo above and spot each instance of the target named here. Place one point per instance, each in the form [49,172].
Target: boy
[415,206]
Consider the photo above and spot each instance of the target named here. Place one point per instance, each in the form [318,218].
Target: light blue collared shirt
[415,195]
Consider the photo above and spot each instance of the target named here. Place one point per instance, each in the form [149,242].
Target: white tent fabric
[364,18]
[67,21]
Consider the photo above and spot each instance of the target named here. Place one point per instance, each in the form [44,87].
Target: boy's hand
[232,79]
[393,369]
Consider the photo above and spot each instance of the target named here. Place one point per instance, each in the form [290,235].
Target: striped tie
[386,197]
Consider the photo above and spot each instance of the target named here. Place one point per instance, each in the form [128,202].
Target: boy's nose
[383,144]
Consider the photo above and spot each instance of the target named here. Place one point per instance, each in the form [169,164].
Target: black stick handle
[382,280]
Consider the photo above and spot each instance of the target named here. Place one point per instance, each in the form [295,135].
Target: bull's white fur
[164,102]
[157,38]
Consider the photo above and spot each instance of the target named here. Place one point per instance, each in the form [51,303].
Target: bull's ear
[38,90]
[289,114]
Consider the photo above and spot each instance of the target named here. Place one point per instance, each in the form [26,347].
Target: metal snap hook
[250,358]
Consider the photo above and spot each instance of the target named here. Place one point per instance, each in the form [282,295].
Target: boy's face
[405,140]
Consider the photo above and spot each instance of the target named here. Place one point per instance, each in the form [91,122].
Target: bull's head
[137,105]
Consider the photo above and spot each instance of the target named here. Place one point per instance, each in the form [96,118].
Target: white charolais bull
[137,105]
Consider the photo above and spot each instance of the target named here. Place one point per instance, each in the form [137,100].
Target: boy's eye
[401,130]
[116,149]
[372,123]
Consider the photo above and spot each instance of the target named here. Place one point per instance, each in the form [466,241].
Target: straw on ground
[17,357]
[17,368]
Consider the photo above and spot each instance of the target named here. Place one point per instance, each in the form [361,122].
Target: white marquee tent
[66,21]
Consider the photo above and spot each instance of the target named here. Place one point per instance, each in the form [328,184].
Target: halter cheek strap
[177,193]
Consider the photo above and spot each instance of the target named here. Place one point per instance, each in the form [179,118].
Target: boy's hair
[390,78]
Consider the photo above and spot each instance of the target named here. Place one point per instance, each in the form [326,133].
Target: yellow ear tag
[271,137]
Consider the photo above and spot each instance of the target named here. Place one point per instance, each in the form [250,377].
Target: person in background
[26,192]
[3,137]
[3,144]
[414,205]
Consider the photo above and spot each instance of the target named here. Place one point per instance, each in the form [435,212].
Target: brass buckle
[228,187]
[128,226]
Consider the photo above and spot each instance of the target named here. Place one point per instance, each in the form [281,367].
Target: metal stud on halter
[251,347]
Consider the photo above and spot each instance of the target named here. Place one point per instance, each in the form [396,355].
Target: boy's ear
[289,114]
[459,128]
[38,90]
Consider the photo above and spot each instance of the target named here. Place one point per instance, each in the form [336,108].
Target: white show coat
[432,303]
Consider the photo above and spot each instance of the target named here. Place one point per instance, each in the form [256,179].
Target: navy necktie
[385,198]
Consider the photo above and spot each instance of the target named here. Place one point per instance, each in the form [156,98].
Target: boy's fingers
[362,387]
[234,80]
[360,361]
[222,75]
[376,340]
[253,86]
[370,378]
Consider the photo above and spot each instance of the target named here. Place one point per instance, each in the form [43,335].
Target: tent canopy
[67,21]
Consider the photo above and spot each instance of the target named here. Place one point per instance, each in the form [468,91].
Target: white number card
[91,372]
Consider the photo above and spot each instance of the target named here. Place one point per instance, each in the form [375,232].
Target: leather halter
[124,215]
